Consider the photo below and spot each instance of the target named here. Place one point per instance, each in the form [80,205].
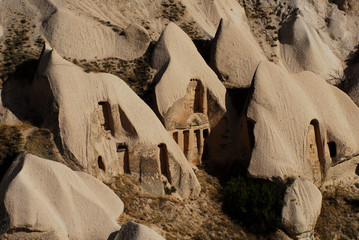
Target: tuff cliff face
[151,96]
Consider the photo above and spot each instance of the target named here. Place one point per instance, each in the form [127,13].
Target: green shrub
[257,204]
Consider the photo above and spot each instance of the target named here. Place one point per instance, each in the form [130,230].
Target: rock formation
[39,195]
[190,99]
[303,125]
[235,56]
[301,210]
[105,128]
[276,115]
[302,49]
[69,34]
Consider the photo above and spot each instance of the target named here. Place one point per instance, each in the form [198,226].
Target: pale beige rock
[190,99]
[303,202]
[235,55]
[106,129]
[322,36]
[302,49]
[178,61]
[207,14]
[303,125]
[40,195]
[80,38]
[345,175]
[136,231]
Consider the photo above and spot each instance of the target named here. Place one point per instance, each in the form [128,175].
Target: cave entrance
[196,97]
[122,153]
[163,161]
[101,164]
[107,122]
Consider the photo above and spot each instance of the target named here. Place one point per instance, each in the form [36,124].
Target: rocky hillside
[179,119]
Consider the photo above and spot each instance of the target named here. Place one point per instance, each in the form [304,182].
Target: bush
[257,204]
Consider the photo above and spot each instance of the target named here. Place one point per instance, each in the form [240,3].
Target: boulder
[106,129]
[303,202]
[39,195]
[235,54]
[136,231]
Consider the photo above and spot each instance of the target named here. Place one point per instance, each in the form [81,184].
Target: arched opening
[108,122]
[196,99]
[163,161]
[101,164]
[315,151]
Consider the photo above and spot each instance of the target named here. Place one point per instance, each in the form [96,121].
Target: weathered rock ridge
[97,127]
[39,195]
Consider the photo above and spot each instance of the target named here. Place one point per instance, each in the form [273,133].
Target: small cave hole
[101,164]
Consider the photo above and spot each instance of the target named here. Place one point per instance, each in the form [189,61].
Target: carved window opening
[196,99]
[101,164]
[163,161]
[108,123]
[332,149]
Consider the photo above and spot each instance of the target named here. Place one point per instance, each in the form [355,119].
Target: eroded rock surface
[301,210]
[39,195]
[190,99]
[106,129]
[235,55]
[303,125]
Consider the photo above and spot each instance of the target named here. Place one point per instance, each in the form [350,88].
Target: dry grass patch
[339,217]
[19,47]
[175,219]
[41,143]
[136,73]
[25,138]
